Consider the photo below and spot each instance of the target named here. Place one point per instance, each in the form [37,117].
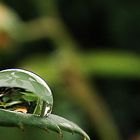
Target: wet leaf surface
[52,122]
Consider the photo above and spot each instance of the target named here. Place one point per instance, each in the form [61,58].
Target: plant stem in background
[78,86]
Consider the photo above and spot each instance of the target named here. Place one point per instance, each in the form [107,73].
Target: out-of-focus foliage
[88,51]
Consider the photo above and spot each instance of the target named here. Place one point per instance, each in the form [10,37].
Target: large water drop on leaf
[19,87]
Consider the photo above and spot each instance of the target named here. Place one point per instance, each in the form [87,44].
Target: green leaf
[10,103]
[52,122]
[31,83]
[28,96]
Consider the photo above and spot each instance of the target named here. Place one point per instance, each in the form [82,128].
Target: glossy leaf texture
[52,122]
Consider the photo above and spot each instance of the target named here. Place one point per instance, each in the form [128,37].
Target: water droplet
[28,89]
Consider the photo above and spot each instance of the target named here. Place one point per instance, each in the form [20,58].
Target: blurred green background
[88,52]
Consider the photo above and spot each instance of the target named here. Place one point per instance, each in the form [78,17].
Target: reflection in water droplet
[26,88]
[31,79]
[47,110]
[12,73]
